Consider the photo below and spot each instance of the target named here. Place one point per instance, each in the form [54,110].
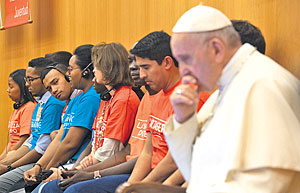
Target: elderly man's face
[195,60]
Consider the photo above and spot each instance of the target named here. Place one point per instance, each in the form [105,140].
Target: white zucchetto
[201,19]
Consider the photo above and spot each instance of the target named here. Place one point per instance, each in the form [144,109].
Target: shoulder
[55,102]
[29,106]
[90,94]
[126,94]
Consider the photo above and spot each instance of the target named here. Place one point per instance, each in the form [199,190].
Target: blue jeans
[107,184]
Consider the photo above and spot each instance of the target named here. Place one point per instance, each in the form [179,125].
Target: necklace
[100,130]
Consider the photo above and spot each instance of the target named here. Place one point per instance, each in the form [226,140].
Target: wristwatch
[9,167]
[97,174]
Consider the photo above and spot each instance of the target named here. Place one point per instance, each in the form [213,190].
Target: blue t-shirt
[81,112]
[46,117]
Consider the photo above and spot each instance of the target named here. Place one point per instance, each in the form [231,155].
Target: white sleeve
[42,143]
[109,148]
[28,142]
[261,180]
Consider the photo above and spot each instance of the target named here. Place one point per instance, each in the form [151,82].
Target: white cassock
[250,138]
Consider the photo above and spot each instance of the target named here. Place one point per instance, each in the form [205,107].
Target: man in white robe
[246,138]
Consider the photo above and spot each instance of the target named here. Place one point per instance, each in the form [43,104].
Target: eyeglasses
[30,79]
[71,69]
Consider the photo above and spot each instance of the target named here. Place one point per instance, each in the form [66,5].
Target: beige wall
[65,24]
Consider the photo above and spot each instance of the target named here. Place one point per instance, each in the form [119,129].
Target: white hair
[227,34]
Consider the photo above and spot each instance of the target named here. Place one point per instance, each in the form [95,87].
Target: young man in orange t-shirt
[160,71]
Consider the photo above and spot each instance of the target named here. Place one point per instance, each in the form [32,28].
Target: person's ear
[168,62]
[218,49]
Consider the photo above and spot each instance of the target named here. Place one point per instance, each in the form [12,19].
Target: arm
[23,138]
[52,148]
[30,157]
[143,165]
[163,170]
[83,154]
[114,160]
[259,180]
[68,146]
[16,155]
[4,153]
[175,179]
[44,160]
[112,166]
[123,168]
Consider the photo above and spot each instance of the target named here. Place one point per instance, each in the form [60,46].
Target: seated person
[46,118]
[250,34]
[241,121]
[121,164]
[20,120]
[75,131]
[61,57]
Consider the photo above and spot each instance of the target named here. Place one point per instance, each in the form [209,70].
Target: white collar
[44,99]
[74,93]
[235,65]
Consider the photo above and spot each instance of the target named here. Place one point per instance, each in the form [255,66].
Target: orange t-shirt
[119,116]
[202,99]
[161,110]
[139,133]
[20,123]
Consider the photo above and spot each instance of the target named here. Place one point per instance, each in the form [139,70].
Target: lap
[102,185]
[13,179]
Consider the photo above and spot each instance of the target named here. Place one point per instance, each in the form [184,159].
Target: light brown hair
[112,60]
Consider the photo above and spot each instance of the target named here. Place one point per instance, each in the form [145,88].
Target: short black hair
[154,46]
[61,57]
[83,56]
[40,63]
[56,66]
[250,34]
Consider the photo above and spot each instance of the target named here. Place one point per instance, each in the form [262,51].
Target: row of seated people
[92,141]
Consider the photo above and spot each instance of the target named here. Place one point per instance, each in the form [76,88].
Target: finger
[26,176]
[83,165]
[185,90]
[188,79]
[91,160]
[70,173]
[182,99]
[64,184]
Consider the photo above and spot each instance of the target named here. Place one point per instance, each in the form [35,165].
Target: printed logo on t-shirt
[68,120]
[141,129]
[36,125]
[13,127]
[156,126]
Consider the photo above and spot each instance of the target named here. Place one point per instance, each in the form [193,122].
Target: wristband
[9,167]
[37,164]
[97,174]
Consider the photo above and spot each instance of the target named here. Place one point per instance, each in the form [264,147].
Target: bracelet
[37,164]
[97,174]
[9,167]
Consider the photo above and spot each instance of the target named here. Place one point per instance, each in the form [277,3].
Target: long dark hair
[18,76]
